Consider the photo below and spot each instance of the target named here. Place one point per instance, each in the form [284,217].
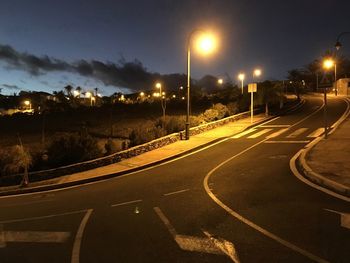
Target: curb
[48,187]
[315,177]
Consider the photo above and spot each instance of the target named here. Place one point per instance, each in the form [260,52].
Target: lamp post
[327,64]
[205,44]
[256,74]
[162,100]
[241,77]
[337,45]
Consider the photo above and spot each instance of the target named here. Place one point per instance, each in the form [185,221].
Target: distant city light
[220,81]
[257,72]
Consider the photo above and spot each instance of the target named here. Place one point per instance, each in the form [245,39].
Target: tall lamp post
[162,100]
[337,45]
[206,44]
[327,64]
[241,77]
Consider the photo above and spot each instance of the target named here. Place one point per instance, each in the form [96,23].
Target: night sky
[45,45]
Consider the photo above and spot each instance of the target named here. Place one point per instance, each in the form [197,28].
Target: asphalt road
[235,201]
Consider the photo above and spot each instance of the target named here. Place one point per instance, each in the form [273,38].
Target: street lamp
[241,77]
[220,81]
[337,45]
[205,44]
[327,65]
[162,100]
[257,73]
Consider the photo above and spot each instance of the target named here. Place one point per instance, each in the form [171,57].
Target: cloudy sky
[116,45]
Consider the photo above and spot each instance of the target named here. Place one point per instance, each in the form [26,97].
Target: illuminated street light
[327,65]
[88,94]
[162,100]
[205,44]
[28,104]
[220,81]
[142,94]
[241,77]
[257,73]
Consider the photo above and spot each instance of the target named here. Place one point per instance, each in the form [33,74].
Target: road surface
[234,201]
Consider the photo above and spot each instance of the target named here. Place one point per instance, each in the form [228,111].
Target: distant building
[343,86]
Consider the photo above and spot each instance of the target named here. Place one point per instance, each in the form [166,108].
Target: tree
[68,90]
[16,160]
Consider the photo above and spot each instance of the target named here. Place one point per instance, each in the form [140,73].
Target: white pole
[251,106]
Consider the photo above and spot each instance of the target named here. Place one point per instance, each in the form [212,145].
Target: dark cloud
[11,87]
[132,75]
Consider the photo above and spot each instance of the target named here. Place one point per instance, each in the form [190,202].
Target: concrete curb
[315,177]
[54,186]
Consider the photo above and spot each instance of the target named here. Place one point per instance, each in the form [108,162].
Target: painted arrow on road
[208,244]
[344,218]
[32,236]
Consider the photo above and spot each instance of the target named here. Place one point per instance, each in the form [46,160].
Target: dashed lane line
[177,192]
[127,203]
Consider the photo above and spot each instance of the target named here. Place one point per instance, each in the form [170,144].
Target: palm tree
[68,89]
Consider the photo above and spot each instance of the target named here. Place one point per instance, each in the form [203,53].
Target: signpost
[252,87]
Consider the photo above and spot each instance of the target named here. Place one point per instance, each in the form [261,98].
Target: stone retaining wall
[116,157]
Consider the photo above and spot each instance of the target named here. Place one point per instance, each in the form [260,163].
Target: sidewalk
[327,162]
[138,162]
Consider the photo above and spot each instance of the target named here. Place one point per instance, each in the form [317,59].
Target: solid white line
[165,220]
[36,236]
[296,173]
[316,133]
[79,236]
[41,217]
[245,220]
[255,226]
[239,135]
[297,132]
[287,141]
[277,133]
[275,126]
[127,203]
[268,121]
[258,134]
[176,192]
[28,203]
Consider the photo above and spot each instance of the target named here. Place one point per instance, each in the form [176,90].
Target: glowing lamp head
[241,76]
[328,63]
[257,72]
[88,94]
[206,43]
[142,94]
[26,102]
[220,81]
[158,85]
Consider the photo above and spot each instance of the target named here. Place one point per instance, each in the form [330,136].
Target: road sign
[252,87]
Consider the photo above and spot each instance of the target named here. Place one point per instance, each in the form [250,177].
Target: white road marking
[177,192]
[248,222]
[296,173]
[344,218]
[79,236]
[316,133]
[266,122]
[287,141]
[277,133]
[227,247]
[297,132]
[207,244]
[275,126]
[32,237]
[42,217]
[127,203]
[241,134]
[28,203]
[258,134]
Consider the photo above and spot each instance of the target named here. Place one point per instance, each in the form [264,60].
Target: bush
[14,160]
[145,133]
[111,147]
[233,108]
[216,112]
[72,148]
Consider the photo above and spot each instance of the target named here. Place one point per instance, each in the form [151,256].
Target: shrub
[111,147]
[72,148]
[222,110]
[14,160]
[145,133]
[233,108]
